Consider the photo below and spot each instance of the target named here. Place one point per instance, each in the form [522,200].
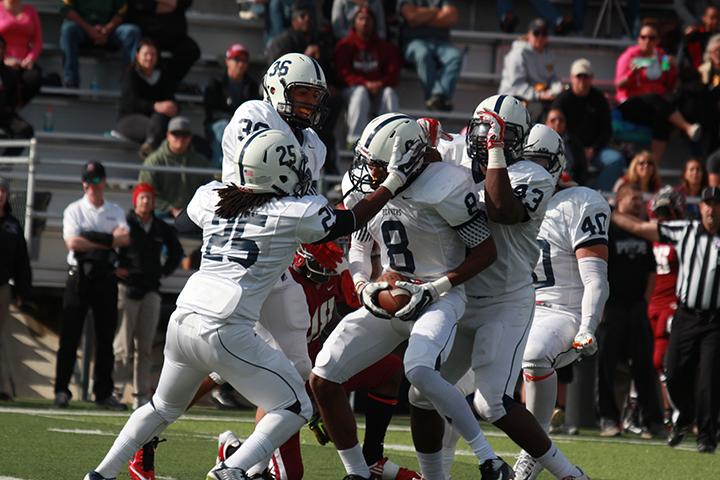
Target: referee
[693,355]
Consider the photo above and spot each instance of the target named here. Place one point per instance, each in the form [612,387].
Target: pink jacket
[652,75]
[23,33]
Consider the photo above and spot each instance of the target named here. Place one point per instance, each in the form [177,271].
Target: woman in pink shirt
[644,79]
[21,29]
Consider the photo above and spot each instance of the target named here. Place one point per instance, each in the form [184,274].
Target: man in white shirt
[92,229]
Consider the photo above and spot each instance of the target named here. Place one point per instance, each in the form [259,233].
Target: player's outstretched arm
[629,223]
[592,264]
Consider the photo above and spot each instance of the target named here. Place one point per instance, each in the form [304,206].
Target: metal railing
[30,160]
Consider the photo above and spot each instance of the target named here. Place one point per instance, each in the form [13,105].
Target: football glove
[368,293]
[432,128]
[422,295]
[496,129]
[403,165]
[585,344]
[317,427]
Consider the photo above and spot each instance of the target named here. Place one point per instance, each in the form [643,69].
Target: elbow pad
[593,272]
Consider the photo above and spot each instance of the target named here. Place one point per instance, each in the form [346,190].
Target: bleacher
[84,118]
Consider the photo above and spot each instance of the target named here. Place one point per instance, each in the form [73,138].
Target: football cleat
[223,472]
[581,475]
[496,469]
[93,475]
[317,427]
[384,469]
[526,467]
[142,465]
[228,443]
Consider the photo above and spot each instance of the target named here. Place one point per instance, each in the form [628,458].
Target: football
[395,298]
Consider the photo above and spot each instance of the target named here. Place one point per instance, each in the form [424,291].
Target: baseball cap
[93,172]
[179,124]
[538,25]
[581,66]
[237,50]
[710,194]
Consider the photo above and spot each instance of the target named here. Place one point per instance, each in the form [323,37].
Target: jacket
[358,61]
[142,256]
[140,94]
[526,72]
[174,190]
[221,97]
[14,258]
[655,74]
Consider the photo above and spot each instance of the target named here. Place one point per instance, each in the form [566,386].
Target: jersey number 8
[392,231]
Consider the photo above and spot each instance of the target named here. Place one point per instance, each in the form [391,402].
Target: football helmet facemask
[545,147]
[374,149]
[295,85]
[517,126]
[271,161]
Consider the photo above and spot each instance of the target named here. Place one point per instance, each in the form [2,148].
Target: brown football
[395,298]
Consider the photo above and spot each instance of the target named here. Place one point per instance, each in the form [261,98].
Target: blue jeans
[438,64]
[277,18]
[72,37]
[610,164]
[217,129]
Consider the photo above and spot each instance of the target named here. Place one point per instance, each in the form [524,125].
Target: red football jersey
[667,272]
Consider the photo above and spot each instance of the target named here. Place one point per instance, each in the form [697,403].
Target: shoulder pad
[438,181]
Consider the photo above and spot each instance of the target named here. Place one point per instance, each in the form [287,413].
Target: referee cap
[710,194]
[93,172]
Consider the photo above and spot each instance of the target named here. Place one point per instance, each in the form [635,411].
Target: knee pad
[491,409]
[537,374]
[419,400]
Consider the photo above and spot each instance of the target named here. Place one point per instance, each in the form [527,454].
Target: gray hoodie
[524,67]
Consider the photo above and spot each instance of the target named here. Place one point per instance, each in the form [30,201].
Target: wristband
[442,285]
[496,158]
[393,182]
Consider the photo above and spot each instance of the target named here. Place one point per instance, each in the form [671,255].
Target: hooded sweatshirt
[526,72]
[358,61]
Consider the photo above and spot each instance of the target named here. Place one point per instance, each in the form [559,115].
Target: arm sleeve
[184,224]
[593,272]
[672,232]
[360,255]
[318,222]
[70,223]
[37,40]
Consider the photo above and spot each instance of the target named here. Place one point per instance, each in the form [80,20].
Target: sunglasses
[540,33]
[644,163]
[648,37]
[93,180]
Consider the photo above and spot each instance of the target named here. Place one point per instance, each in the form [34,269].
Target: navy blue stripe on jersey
[318,71]
[591,242]
[380,127]
[498,103]
[242,154]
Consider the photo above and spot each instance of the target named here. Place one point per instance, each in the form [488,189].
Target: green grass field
[39,443]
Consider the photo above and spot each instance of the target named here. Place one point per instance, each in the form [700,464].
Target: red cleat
[142,466]
[384,469]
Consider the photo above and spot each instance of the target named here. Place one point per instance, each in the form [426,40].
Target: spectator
[529,70]
[709,73]
[624,333]
[689,12]
[223,96]
[370,68]
[279,17]
[12,125]
[641,172]
[15,266]
[21,29]
[164,21]
[694,179]
[174,190]
[92,229]
[644,78]
[693,355]
[713,169]
[140,270]
[146,101]
[696,37]
[344,12]
[425,42]
[96,23]
[508,20]
[589,127]
[302,37]
[556,120]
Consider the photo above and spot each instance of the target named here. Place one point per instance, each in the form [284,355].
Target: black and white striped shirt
[698,285]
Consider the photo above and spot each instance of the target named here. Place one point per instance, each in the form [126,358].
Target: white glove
[496,129]
[403,165]
[368,293]
[422,295]
[585,344]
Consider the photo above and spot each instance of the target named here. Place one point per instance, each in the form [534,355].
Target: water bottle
[48,122]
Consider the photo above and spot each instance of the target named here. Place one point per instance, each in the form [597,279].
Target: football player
[423,234]
[571,288]
[501,300]
[250,233]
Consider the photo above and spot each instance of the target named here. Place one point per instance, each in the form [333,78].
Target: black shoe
[62,400]
[496,469]
[95,476]
[705,448]
[677,434]
[111,403]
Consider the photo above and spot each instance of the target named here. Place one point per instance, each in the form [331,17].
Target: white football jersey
[576,217]
[415,229]
[254,251]
[256,115]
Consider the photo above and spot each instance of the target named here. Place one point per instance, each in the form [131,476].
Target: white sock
[557,463]
[431,465]
[450,439]
[144,424]
[270,432]
[540,396]
[354,461]
[481,448]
